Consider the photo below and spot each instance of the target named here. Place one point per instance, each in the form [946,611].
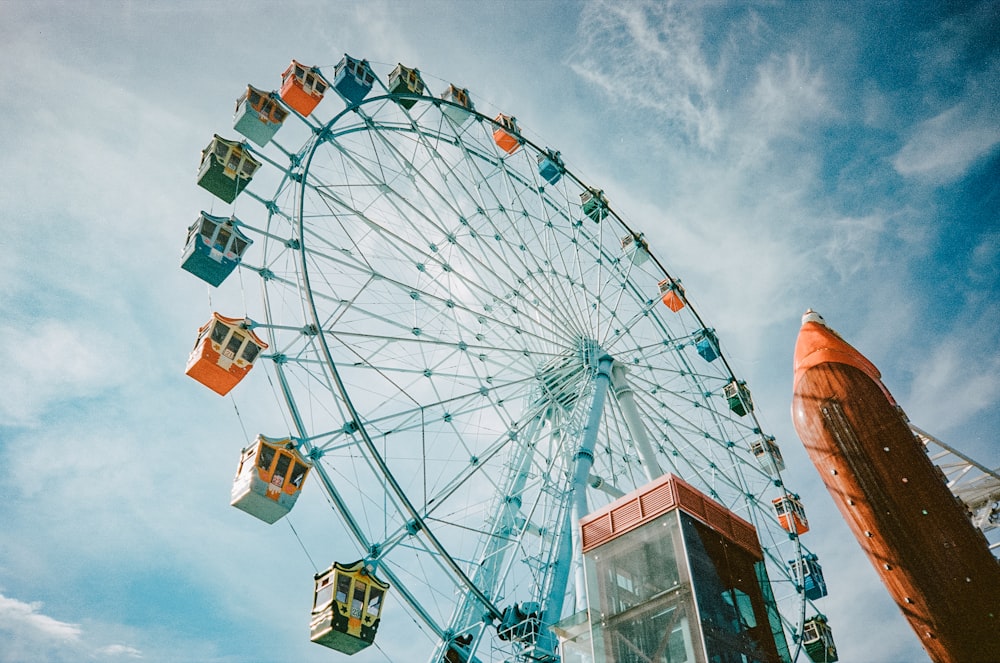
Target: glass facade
[674,590]
[734,617]
[640,597]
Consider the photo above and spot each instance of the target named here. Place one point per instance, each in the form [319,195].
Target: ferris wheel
[474,351]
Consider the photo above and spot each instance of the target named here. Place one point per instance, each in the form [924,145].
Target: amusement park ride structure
[481,363]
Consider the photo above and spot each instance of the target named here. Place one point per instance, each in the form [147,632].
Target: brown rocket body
[936,565]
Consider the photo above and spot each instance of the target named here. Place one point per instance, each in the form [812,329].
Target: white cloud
[119,650]
[984,265]
[22,618]
[650,56]
[943,148]
[788,94]
[852,244]
[52,360]
[30,635]
[948,389]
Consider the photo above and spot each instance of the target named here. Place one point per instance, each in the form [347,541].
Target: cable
[302,545]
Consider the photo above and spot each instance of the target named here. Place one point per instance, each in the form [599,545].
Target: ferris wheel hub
[563,378]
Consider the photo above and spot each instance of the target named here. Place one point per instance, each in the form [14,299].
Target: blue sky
[777,156]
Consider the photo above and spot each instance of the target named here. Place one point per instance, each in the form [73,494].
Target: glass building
[673,577]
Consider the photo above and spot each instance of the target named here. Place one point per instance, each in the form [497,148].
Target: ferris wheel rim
[320,139]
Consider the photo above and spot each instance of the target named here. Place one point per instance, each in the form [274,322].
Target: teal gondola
[707,344]
[594,204]
[215,246]
[808,572]
[258,115]
[550,166]
[738,396]
[353,79]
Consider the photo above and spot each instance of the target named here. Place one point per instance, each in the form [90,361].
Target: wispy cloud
[649,55]
[25,618]
[960,66]
[727,110]
[28,634]
[50,361]
[947,388]
[942,148]
[124,651]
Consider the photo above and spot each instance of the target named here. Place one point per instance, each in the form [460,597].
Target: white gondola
[768,454]
[634,247]
[269,478]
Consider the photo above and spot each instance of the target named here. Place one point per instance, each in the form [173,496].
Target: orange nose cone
[818,344]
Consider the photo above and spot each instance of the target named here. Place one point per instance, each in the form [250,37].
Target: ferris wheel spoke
[481,203]
[465,280]
[409,174]
[557,299]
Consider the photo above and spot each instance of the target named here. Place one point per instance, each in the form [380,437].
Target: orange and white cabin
[791,514]
[347,607]
[302,87]
[224,353]
[671,293]
[505,135]
[461,111]
[269,478]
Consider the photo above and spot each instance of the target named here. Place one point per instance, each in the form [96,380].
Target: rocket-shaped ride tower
[936,565]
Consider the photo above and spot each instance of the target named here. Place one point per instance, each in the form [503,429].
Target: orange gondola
[224,353]
[302,87]
[791,514]
[506,134]
[671,292]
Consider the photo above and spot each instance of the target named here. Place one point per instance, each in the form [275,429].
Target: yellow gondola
[347,607]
